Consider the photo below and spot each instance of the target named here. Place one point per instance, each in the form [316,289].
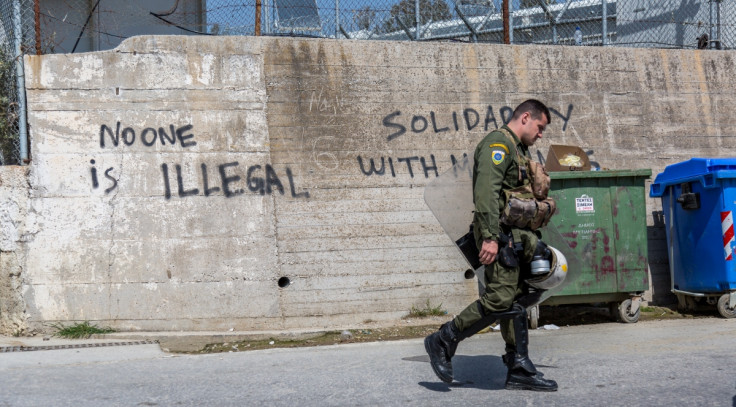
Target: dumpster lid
[640,173]
[705,170]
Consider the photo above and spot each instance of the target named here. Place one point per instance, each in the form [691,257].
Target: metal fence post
[719,45]
[417,21]
[511,24]
[20,82]
[505,15]
[604,26]
[258,18]
[37,24]
[267,23]
[337,17]
[712,28]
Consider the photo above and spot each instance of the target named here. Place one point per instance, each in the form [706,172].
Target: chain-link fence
[69,26]
[64,26]
[12,102]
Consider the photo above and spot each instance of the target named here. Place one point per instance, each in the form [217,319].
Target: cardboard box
[566,154]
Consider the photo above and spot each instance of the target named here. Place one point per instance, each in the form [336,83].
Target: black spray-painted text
[467,119]
[231,179]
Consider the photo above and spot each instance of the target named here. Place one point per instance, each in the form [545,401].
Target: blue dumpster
[699,204]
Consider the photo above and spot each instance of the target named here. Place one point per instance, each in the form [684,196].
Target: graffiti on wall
[398,124]
[468,119]
[228,179]
[260,180]
[412,165]
[231,179]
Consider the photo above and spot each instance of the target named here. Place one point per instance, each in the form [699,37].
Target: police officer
[497,169]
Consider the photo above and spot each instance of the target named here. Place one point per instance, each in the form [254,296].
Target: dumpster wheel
[624,312]
[534,317]
[723,307]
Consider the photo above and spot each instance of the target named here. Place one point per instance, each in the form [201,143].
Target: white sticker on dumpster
[584,204]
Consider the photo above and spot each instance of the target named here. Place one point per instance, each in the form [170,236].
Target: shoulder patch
[497,156]
[499,145]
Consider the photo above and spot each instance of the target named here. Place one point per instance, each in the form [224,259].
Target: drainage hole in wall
[469,274]
[284,282]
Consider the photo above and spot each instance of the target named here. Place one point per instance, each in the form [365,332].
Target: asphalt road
[650,363]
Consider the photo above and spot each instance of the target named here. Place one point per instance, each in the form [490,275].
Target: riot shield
[450,198]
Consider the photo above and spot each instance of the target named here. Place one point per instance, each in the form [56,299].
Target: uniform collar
[516,139]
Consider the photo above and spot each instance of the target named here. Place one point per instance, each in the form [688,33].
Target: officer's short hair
[534,107]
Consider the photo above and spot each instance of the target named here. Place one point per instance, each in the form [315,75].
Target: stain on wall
[177,195]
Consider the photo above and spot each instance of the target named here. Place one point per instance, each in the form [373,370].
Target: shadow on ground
[485,372]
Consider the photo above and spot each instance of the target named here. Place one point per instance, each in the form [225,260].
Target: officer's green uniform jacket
[495,169]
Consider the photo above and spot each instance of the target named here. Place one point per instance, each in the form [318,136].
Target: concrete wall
[16,227]
[176,181]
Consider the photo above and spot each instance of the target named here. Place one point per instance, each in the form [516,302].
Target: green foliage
[429,10]
[80,330]
[427,311]
[8,110]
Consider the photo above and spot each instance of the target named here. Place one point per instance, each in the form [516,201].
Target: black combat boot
[508,359]
[521,380]
[520,358]
[440,347]
[522,374]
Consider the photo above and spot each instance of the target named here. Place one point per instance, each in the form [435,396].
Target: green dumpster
[602,218]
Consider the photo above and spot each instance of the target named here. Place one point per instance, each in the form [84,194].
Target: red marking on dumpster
[614,202]
[615,229]
[595,237]
[728,235]
[594,241]
[642,261]
[572,243]
[607,265]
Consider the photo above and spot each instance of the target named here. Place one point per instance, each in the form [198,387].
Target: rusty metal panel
[602,216]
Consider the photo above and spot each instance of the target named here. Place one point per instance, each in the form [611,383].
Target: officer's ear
[525,117]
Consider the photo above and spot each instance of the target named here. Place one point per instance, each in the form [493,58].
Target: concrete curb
[192,341]
[168,341]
